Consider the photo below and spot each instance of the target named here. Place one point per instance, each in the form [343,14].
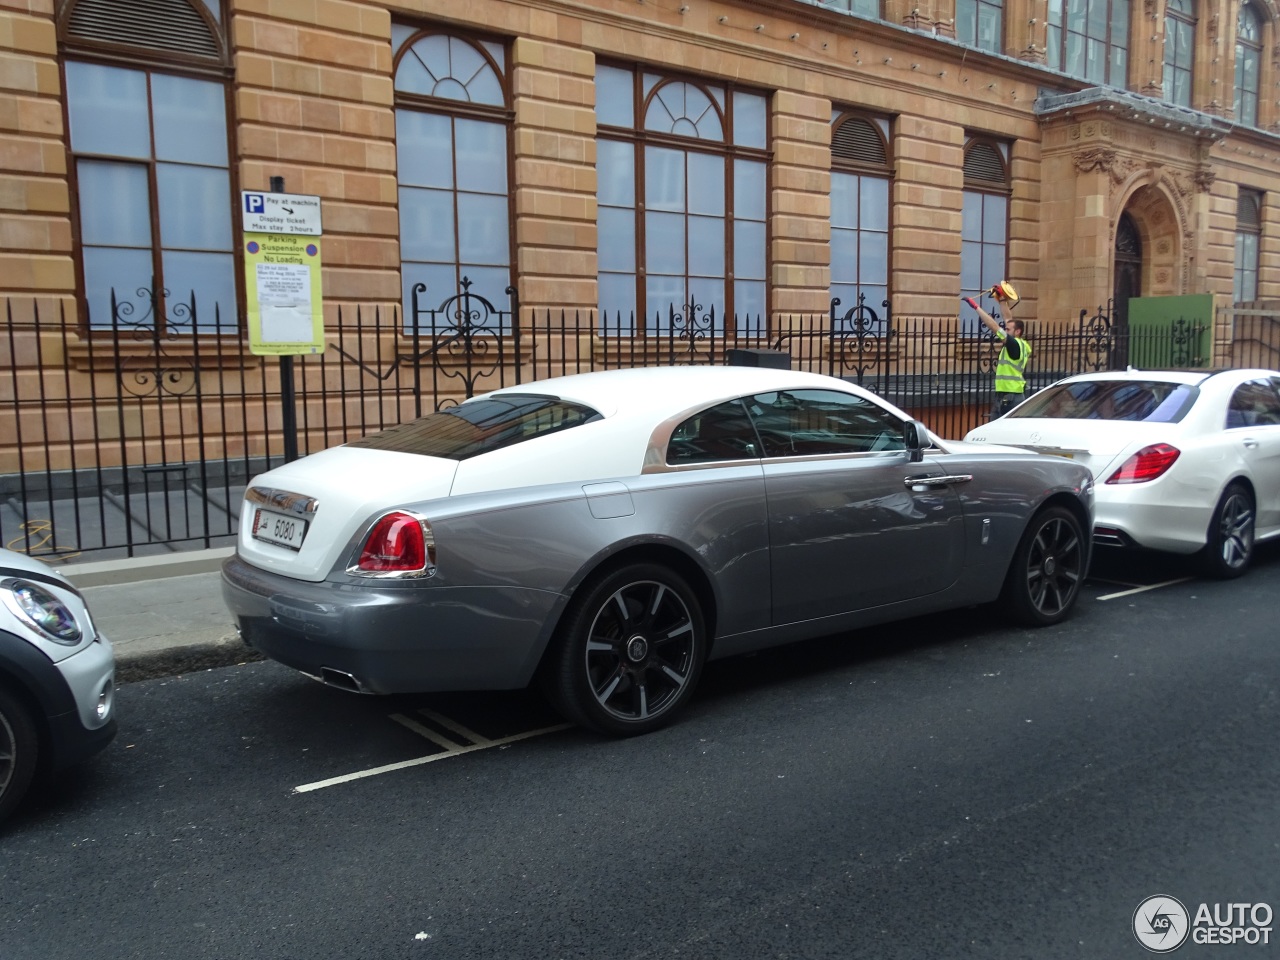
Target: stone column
[555,174]
[800,211]
[928,199]
[314,104]
[35,225]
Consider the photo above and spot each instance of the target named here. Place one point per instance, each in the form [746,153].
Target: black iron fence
[136,438]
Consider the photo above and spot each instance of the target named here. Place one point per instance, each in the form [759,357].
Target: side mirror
[915,438]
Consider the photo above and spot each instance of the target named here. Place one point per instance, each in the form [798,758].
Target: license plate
[279,528]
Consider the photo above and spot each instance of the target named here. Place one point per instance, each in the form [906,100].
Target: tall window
[1179,51]
[452,157]
[150,161]
[859,211]
[1089,39]
[681,198]
[979,23]
[1248,233]
[1248,64]
[984,226]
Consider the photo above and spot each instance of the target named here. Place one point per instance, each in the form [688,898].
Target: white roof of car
[672,388]
[1191,377]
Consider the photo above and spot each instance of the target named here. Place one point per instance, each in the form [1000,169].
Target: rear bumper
[1153,526]
[393,638]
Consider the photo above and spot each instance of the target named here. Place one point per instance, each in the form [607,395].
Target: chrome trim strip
[282,500]
[937,481]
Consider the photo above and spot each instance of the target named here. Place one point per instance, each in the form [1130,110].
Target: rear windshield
[1151,401]
[470,429]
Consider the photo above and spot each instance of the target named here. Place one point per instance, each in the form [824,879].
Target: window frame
[1056,53]
[639,140]
[962,8]
[1245,273]
[1249,48]
[149,60]
[970,324]
[859,168]
[454,110]
[1172,69]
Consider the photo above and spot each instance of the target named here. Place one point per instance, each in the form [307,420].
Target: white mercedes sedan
[1185,462]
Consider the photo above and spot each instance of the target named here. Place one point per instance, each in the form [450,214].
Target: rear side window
[480,426]
[724,432]
[1254,404]
[1149,401]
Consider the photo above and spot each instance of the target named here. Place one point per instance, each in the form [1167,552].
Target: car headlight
[39,608]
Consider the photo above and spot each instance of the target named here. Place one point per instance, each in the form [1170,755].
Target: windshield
[480,426]
[1150,401]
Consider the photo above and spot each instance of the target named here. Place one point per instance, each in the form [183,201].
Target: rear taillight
[399,543]
[1147,464]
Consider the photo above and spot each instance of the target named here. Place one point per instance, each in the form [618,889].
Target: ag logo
[1161,924]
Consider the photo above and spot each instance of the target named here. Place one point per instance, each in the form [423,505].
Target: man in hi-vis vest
[1011,366]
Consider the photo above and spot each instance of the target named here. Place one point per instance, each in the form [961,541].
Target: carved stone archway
[1161,228]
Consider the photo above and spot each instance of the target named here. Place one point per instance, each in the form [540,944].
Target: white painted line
[1152,586]
[454,726]
[426,732]
[391,767]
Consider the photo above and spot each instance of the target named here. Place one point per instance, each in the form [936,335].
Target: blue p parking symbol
[253,203]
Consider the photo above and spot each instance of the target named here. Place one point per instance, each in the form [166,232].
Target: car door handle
[944,481]
[1251,443]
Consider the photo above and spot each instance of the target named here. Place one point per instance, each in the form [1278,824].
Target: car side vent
[174,26]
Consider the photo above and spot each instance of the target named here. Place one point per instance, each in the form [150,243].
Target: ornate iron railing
[132,438]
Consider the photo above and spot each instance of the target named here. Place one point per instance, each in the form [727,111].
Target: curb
[103,573]
[229,651]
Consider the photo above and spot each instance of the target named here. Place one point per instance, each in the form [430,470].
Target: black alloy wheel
[630,651]
[19,743]
[1228,548]
[1048,567]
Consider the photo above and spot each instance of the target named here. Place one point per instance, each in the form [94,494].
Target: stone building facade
[760,155]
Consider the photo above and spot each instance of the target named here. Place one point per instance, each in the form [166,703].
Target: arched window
[452,158]
[681,191]
[1179,51]
[1248,64]
[980,23]
[860,179]
[984,225]
[150,161]
[1089,39]
[1248,234]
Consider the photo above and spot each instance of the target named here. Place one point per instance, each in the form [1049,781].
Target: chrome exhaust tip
[341,679]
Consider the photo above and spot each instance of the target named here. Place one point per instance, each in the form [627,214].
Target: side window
[723,432]
[1254,404]
[800,423]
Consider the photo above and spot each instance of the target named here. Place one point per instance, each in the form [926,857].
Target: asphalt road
[948,787]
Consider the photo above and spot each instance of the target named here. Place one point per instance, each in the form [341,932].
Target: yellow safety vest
[1010,373]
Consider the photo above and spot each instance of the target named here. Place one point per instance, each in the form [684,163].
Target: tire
[19,749]
[629,652]
[1048,567]
[1228,548]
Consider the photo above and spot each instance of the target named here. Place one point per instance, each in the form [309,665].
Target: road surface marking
[1152,586]
[451,752]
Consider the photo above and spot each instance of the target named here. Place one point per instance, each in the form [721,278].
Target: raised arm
[985,317]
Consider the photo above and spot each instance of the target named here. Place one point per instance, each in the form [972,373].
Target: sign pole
[288,401]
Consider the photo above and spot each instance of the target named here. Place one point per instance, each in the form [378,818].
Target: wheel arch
[659,552]
[13,685]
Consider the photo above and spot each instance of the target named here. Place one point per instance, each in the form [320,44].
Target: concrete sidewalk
[163,615]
